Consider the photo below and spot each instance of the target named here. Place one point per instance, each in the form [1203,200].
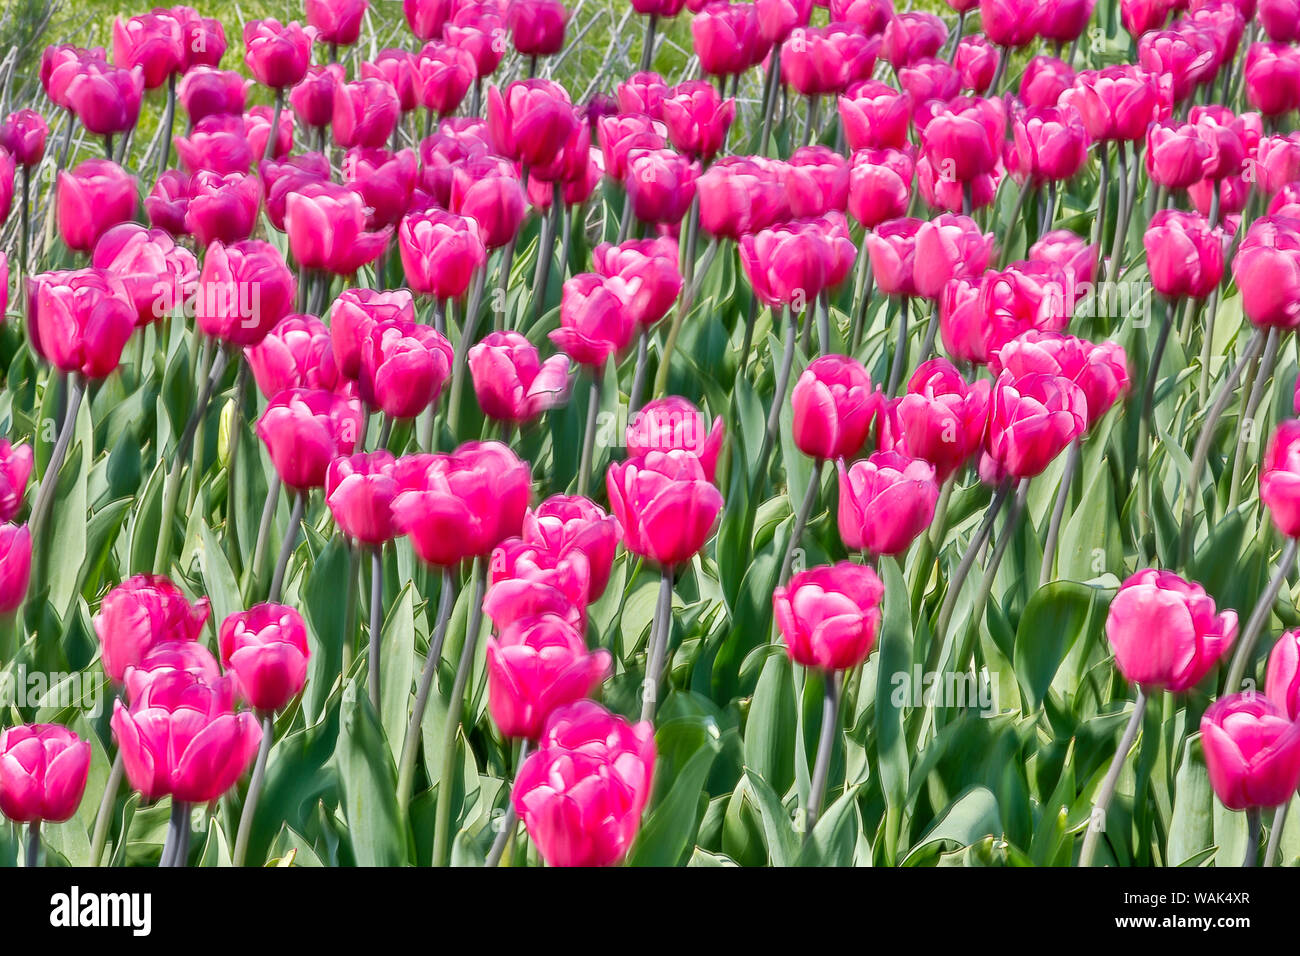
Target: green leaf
[778,826]
[369,784]
[670,829]
[1191,828]
[1052,621]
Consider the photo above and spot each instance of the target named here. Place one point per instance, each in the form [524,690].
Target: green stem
[1048,568]
[1245,650]
[589,435]
[254,790]
[825,745]
[100,834]
[411,743]
[376,623]
[1096,822]
[287,546]
[660,630]
[801,521]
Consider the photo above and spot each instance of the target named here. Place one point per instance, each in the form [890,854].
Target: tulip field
[668,433]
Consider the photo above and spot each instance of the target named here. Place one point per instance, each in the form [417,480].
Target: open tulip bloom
[442,432]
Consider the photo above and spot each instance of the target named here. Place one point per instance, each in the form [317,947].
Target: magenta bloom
[138,614]
[297,353]
[885,502]
[304,430]
[96,195]
[829,616]
[1252,751]
[665,505]
[43,770]
[674,423]
[440,252]
[834,404]
[79,321]
[403,367]
[941,418]
[277,54]
[265,648]
[359,490]
[244,290]
[511,381]
[1032,418]
[564,523]
[595,320]
[1279,478]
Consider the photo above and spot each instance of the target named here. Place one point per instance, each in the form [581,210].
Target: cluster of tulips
[337,245]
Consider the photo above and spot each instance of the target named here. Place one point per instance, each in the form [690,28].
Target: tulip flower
[204,92]
[660,185]
[875,116]
[930,79]
[563,524]
[440,252]
[443,75]
[595,319]
[312,97]
[461,505]
[511,381]
[353,313]
[1267,271]
[1181,58]
[140,613]
[537,26]
[1165,632]
[909,37]
[488,192]
[222,208]
[830,616]
[15,566]
[15,469]
[948,247]
[665,505]
[1032,418]
[649,268]
[1184,255]
[23,135]
[1279,478]
[297,353]
[892,249]
[105,98]
[218,142]
[157,275]
[93,196]
[740,195]
[880,185]
[1117,103]
[359,490]
[277,54]
[818,60]
[1273,78]
[1101,371]
[582,792]
[265,141]
[43,770]
[1176,155]
[244,290]
[886,501]
[398,68]
[964,139]
[674,423]
[790,264]
[1044,80]
[977,62]
[337,22]
[1252,753]
[697,119]
[478,29]
[727,37]
[326,226]
[1049,144]
[834,405]
[365,113]
[280,179]
[204,38]
[265,648]
[530,121]
[527,581]
[79,321]
[1282,684]
[940,418]
[403,367]
[304,430]
[427,18]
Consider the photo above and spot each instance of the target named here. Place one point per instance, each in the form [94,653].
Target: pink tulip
[351,316]
[727,37]
[257,128]
[304,430]
[1184,255]
[1279,478]
[1176,156]
[940,419]
[479,34]
[1282,683]
[977,62]
[875,116]
[43,770]
[157,275]
[222,208]
[834,405]
[105,98]
[15,469]
[1011,23]
[427,18]
[244,290]
[365,113]
[886,501]
[1044,80]
[830,616]
[1065,22]
[1117,103]
[153,42]
[60,63]
[817,60]
[277,54]
[697,119]
[563,524]
[675,424]
[530,121]
[1139,16]
[443,75]
[511,381]
[23,136]
[892,248]
[489,192]
[948,247]
[219,142]
[1032,419]
[880,185]
[740,195]
[964,139]
[398,68]
[279,179]
[527,581]
[643,93]
[620,134]
[595,319]
[930,79]
[463,504]
[660,185]
[942,192]
[15,566]
[535,667]
[336,22]
[1267,271]
[778,18]
[789,264]
[265,648]
[909,37]
[1252,751]
[1277,162]
[79,321]
[440,252]
[312,97]
[1273,78]
[297,353]
[385,182]
[582,792]
[140,613]
[326,226]
[403,367]
[1050,144]
[359,490]
[204,38]
[1183,59]
[665,505]
[93,196]
[649,267]
[1101,371]
[205,92]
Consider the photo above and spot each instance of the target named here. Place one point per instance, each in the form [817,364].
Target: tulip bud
[830,616]
[595,319]
[1252,751]
[1184,255]
[80,321]
[265,648]
[1279,478]
[15,566]
[43,770]
[336,22]
[834,405]
[674,423]
[1267,271]
[562,524]
[403,367]
[665,505]
[440,252]
[940,419]
[141,612]
[885,502]
[23,136]
[244,290]
[95,195]
[535,667]
[297,353]
[277,54]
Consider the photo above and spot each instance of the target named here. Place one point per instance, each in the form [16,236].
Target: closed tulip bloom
[1117,103]
[649,267]
[427,18]
[830,616]
[93,196]
[1025,295]
[398,68]
[511,381]
[948,247]
[385,182]
[43,770]
[1184,255]
[566,523]
[365,113]
[327,229]
[595,320]
[204,92]
[886,501]
[265,648]
[487,191]
[910,36]
[359,490]
[1176,156]
[665,505]
[642,92]
[244,290]
[950,195]
[60,62]
[527,581]
[403,367]
[1182,58]
[1139,16]
[1279,478]
[875,116]
[582,792]
[277,54]
[530,121]
[336,21]
[79,321]
[141,612]
[871,15]
[1011,23]
[1273,78]
[257,128]
[443,74]
[834,405]
[203,38]
[1101,371]
[479,30]
[186,742]
[892,248]
[727,37]
[537,26]
[1049,144]
[828,59]
[618,135]
[297,353]
[1267,272]
[15,470]
[1044,80]
[1277,162]
[222,208]
[880,185]
[660,184]
[1282,683]
[157,275]
[153,42]
[698,118]
[929,79]
[312,97]
[1280,19]
[351,316]
[1065,22]
[1032,418]
[674,423]
[105,98]
[817,179]
[1067,251]
[218,142]
[740,195]
[23,136]
[1226,135]
[964,139]
[977,62]
[461,505]
[790,263]
[535,667]
[304,430]
[1252,751]
[941,418]
[15,566]
[440,252]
